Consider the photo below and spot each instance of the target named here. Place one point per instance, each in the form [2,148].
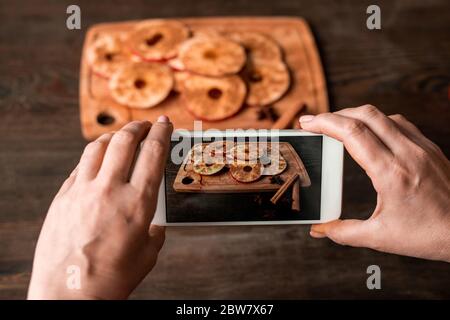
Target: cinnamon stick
[283,188]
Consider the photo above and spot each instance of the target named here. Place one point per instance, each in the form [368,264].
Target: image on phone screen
[236,179]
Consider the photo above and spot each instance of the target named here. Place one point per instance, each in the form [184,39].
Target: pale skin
[100,220]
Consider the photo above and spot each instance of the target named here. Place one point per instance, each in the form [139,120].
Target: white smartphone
[257,177]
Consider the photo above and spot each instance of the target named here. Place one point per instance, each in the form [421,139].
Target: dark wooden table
[404,68]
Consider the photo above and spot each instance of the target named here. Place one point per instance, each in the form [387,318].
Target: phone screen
[242,179]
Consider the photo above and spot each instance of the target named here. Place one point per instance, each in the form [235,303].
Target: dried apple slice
[155,40]
[276,165]
[207,169]
[257,45]
[216,152]
[248,151]
[141,85]
[213,99]
[267,81]
[212,56]
[245,171]
[107,54]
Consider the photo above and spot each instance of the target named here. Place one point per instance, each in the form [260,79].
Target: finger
[355,233]
[92,157]
[157,236]
[362,144]
[383,127]
[149,168]
[121,151]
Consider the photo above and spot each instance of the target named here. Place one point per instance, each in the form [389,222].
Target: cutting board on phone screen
[99,113]
[222,182]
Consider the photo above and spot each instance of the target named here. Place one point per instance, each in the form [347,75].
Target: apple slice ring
[267,81]
[195,154]
[212,56]
[213,99]
[207,169]
[276,165]
[156,40]
[245,172]
[216,152]
[141,85]
[248,151]
[257,45]
[107,54]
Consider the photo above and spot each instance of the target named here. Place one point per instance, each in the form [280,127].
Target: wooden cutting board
[222,182]
[99,113]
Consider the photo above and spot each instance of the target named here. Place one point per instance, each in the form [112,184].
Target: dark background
[404,68]
[214,207]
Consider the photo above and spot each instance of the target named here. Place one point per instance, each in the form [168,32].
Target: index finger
[150,164]
[362,144]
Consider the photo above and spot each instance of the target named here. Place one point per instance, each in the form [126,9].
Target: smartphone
[256,177]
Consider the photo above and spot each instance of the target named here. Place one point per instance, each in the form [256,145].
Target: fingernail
[306,118]
[316,234]
[163,119]
[318,228]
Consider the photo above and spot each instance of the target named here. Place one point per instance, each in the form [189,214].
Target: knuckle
[322,116]
[368,108]
[369,111]
[354,127]
[398,117]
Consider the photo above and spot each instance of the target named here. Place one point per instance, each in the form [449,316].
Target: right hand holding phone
[410,174]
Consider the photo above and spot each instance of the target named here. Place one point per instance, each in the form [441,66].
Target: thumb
[351,232]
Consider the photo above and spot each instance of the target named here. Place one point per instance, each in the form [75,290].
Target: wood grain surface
[307,82]
[404,68]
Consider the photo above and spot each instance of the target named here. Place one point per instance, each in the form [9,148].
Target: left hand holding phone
[98,227]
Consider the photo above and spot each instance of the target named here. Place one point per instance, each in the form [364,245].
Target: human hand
[100,220]
[410,174]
